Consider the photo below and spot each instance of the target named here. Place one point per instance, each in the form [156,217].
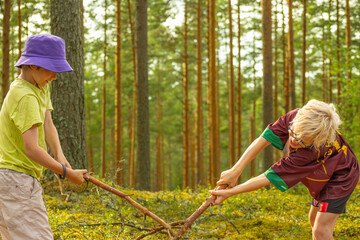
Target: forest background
[212,75]
[167,94]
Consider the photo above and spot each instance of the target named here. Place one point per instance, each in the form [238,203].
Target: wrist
[63,175]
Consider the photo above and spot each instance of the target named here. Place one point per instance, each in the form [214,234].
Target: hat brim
[51,64]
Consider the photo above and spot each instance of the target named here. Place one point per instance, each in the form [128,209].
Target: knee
[321,233]
[317,232]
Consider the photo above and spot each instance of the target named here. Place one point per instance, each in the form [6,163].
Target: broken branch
[129,200]
[190,220]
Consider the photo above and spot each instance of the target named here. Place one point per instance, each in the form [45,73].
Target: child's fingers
[216,192]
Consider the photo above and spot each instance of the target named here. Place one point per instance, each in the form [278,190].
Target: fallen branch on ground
[190,220]
[131,201]
[155,230]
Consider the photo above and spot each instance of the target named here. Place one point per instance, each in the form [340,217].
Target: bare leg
[312,216]
[324,224]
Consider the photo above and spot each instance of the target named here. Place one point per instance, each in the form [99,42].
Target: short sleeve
[27,113]
[277,133]
[290,170]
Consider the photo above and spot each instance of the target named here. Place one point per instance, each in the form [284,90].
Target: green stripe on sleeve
[276,180]
[274,139]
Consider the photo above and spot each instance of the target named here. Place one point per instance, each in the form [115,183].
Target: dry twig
[190,220]
[129,200]
[62,189]
[155,230]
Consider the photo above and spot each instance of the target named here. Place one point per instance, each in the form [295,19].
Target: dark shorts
[337,206]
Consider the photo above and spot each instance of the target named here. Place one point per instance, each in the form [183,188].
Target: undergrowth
[263,214]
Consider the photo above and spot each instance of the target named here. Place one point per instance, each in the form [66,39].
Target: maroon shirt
[329,172]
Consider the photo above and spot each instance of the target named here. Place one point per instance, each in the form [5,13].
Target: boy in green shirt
[26,131]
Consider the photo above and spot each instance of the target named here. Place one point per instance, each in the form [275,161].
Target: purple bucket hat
[46,51]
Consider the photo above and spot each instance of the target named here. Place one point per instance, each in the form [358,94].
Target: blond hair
[317,122]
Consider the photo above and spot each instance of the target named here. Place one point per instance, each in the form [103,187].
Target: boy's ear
[33,67]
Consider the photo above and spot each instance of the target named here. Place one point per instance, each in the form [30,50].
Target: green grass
[263,214]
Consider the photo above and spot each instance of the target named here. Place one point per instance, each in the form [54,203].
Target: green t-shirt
[24,106]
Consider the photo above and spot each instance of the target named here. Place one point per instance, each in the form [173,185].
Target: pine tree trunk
[239,91]
[186,134]
[348,41]
[330,77]
[5,75]
[323,79]
[231,114]
[19,28]
[131,158]
[143,130]
[103,118]
[338,80]
[212,96]
[291,57]
[159,142]
[119,165]
[303,66]
[286,90]
[267,88]
[130,169]
[192,157]
[67,93]
[276,107]
[253,114]
[199,107]
[89,145]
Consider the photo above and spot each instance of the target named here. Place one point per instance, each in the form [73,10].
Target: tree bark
[199,97]
[291,57]
[213,118]
[19,28]
[143,130]
[231,96]
[103,109]
[67,93]
[338,80]
[267,86]
[286,90]
[252,130]
[330,78]
[131,172]
[119,165]
[276,96]
[348,41]
[159,145]
[186,135]
[239,91]
[5,75]
[303,65]
[323,79]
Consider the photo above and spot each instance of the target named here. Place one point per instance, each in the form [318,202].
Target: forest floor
[264,214]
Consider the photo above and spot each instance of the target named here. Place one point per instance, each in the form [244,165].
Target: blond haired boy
[319,157]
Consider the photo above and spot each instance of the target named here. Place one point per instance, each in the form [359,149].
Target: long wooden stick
[190,220]
[130,200]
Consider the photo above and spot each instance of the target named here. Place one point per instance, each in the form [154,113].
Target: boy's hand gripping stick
[190,220]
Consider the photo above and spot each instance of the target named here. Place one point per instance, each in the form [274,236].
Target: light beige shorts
[23,214]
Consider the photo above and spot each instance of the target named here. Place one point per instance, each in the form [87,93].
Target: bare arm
[40,156]
[229,177]
[52,140]
[251,185]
